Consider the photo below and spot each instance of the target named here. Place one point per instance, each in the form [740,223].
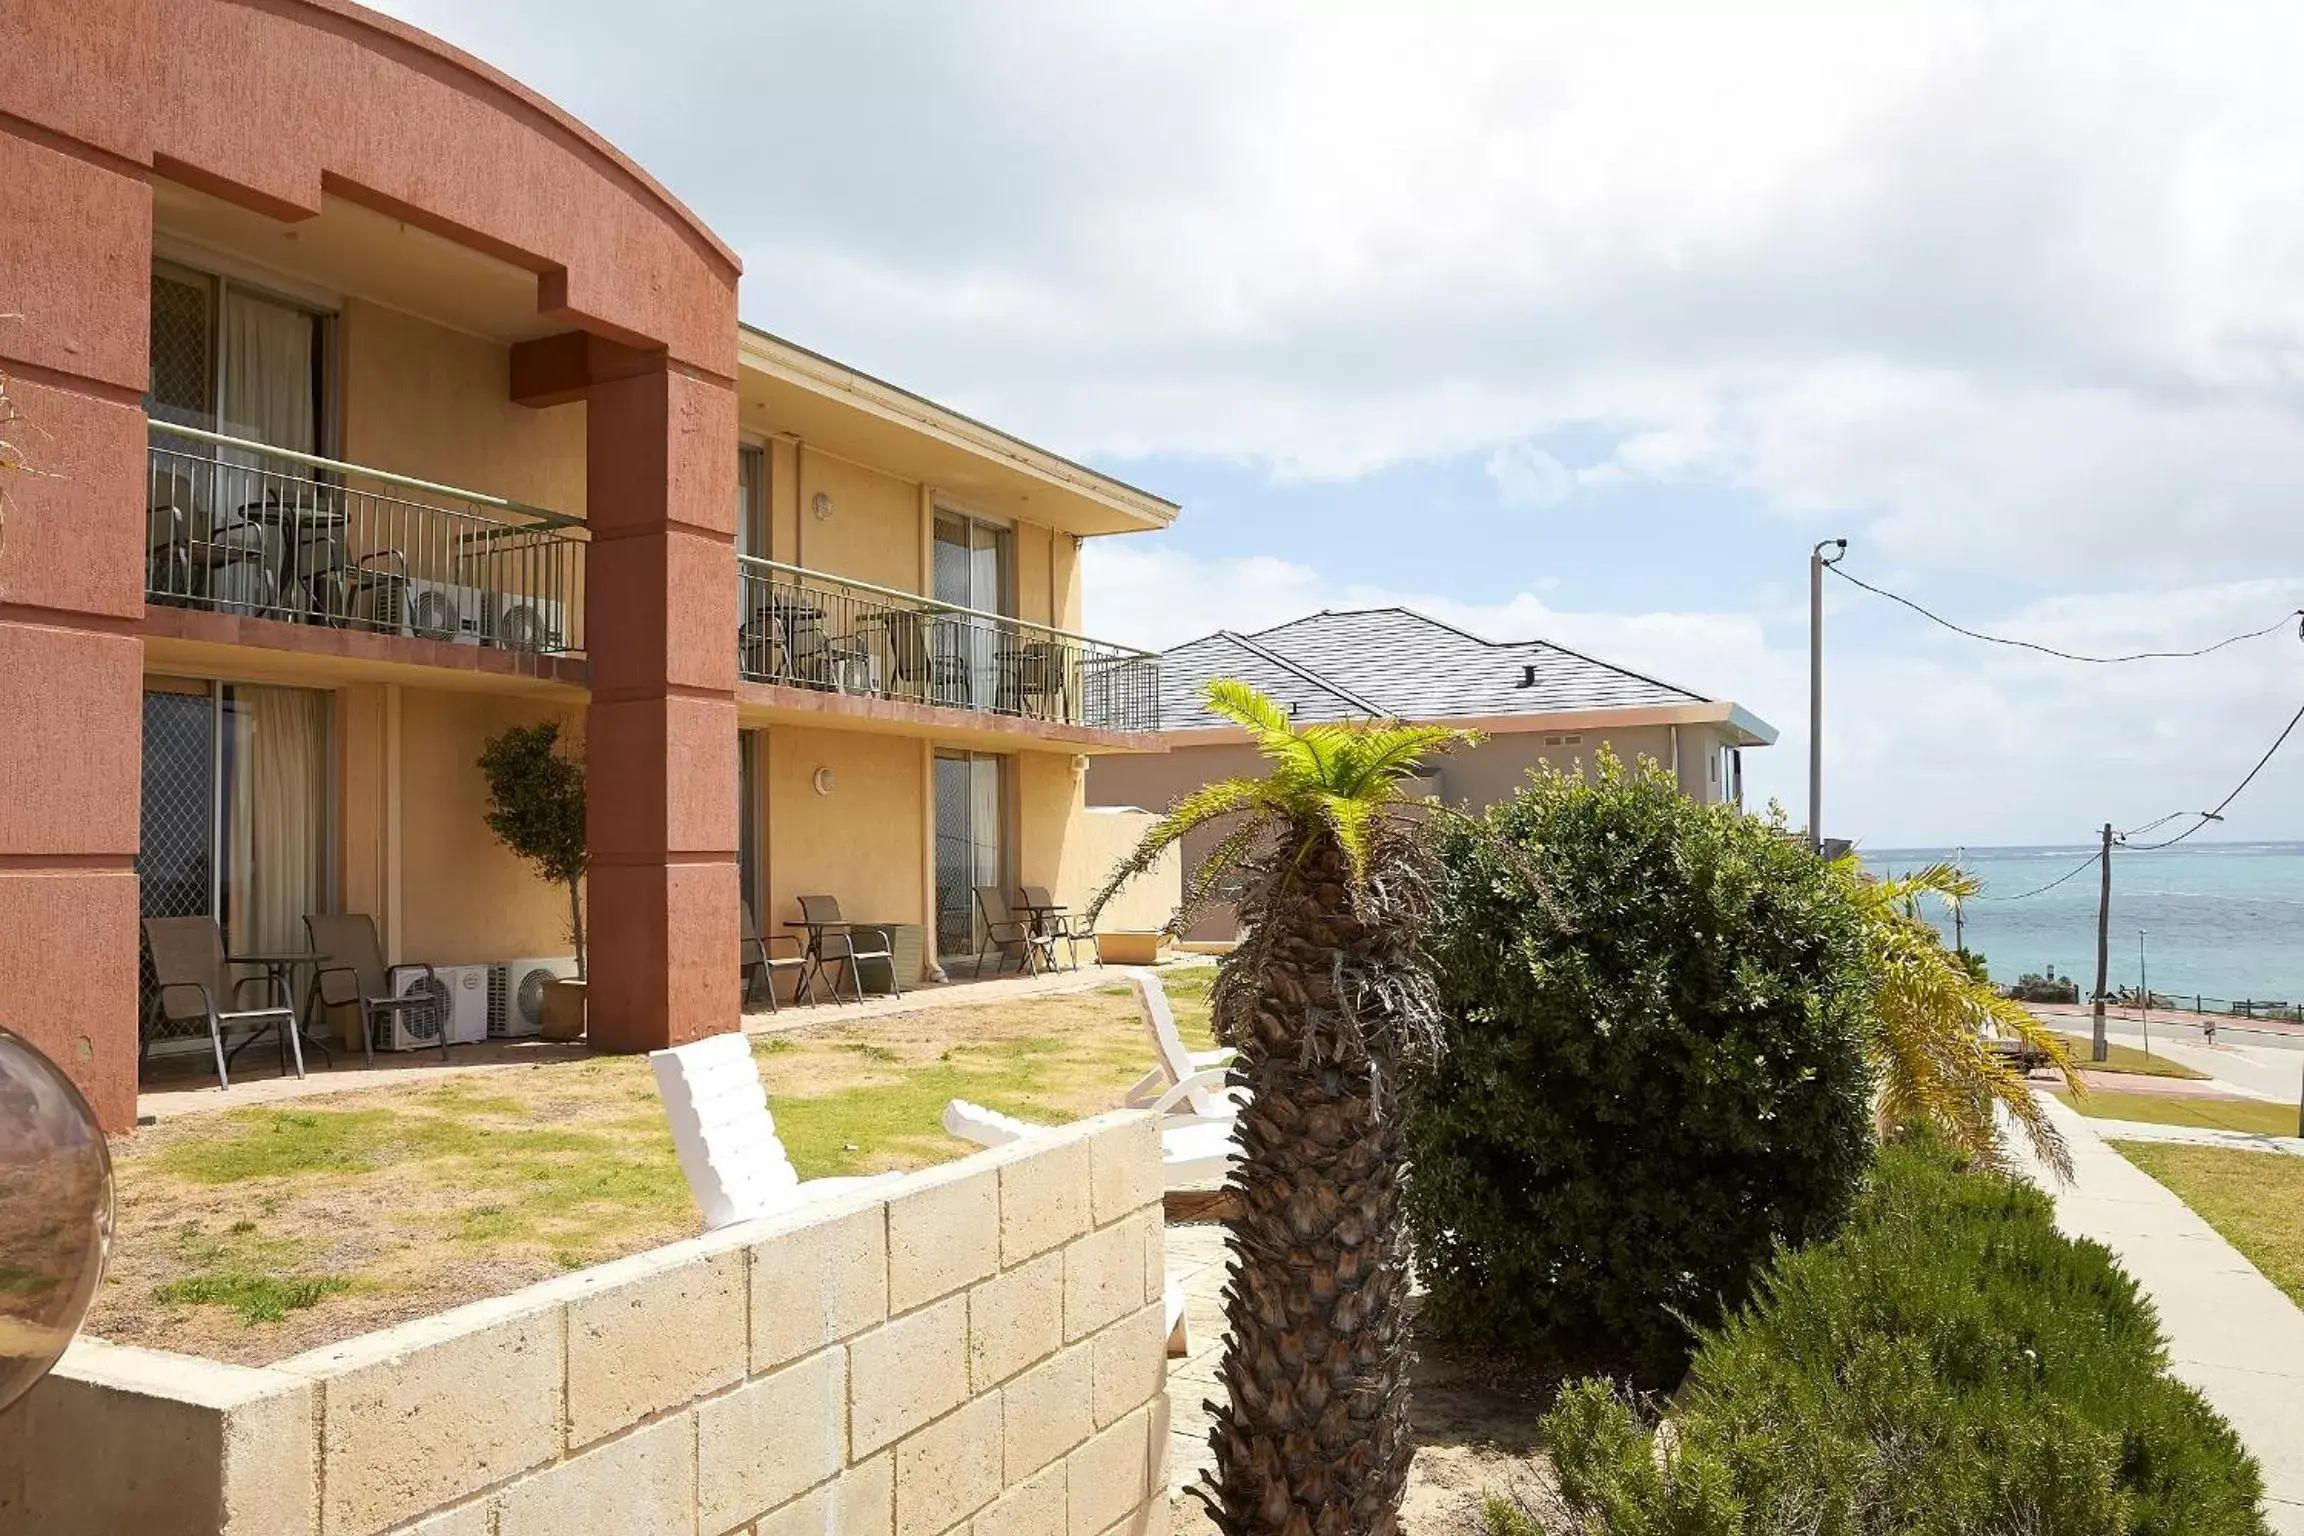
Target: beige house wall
[420,399]
[1474,779]
[874,531]
[864,843]
[978,1346]
[464,898]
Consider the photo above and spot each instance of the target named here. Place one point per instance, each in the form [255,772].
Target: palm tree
[1933,1022]
[1331,1009]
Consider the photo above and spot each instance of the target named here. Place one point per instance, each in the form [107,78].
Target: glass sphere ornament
[55,1213]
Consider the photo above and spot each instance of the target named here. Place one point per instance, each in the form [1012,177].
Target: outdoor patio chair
[1057,923]
[354,976]
[1186,1084]
[192,983]
[1006,932]
[736,1166]
[759,961]
[833,940]
[917,668]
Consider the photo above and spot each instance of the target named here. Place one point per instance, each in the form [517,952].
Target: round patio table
[279,967]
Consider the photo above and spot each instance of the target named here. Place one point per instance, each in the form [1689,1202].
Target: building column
[77,265]
[660,623]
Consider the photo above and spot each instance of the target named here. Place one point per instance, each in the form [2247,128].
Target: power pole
[1816,564]
[1960,909]
[2103,946]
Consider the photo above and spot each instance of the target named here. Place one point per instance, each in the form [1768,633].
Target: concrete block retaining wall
[976,1348]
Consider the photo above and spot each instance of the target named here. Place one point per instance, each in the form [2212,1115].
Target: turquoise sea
[2221,919]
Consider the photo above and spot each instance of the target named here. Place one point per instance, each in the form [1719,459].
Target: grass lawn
[2258,1117]
[2127,1058]
[2254,1198]
[252,1234]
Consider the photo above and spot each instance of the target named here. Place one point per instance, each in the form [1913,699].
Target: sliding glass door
[971,844]
[972,570]
[236,811]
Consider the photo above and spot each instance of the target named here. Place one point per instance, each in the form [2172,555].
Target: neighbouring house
[378,404]
[1539,704]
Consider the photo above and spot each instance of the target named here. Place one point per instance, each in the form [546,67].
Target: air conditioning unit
[524,623]
[459,997]
[516,994]
[442,610]
[468,1001]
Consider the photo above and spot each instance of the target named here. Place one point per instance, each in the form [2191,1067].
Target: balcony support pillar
[660,613]
[72,536]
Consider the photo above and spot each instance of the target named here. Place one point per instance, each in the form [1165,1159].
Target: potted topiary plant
[536,809]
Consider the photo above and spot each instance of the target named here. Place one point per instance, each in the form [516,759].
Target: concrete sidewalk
[2231,1333]
[2196,1136]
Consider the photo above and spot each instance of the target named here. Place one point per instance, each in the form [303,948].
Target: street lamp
[2144,990]
[1816,564]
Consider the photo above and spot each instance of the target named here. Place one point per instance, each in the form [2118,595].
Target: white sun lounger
[736,1165]
[1183,1084]
[1192,1153]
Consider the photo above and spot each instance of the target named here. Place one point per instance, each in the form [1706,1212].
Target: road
[2262,1063]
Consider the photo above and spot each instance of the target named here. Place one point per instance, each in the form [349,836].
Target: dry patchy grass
[252,1234]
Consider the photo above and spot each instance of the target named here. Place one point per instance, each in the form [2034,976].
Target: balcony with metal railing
[804,629]
[238,527]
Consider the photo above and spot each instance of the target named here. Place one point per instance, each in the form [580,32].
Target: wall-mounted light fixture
[823,781]
[821,505]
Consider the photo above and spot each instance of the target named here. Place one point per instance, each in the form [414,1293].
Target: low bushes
[1949,1364]
[1654,1074]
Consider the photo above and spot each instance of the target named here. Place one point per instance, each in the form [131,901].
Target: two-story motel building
[377,404]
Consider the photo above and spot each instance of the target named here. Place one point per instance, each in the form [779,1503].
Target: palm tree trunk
[1314,1440]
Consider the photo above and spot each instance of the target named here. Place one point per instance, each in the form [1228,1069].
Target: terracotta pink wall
[273,105]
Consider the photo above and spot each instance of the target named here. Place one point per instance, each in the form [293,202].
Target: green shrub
[1650,1081]
[1950,1364]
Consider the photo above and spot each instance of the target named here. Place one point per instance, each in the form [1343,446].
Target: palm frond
[1933,1026]
[1256,713]
[1210,802]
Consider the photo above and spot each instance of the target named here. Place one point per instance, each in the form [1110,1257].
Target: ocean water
[2221,919]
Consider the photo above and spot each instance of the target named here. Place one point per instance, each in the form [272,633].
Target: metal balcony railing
[803,629]
[240,527]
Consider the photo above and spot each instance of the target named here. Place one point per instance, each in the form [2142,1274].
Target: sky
[1586,322]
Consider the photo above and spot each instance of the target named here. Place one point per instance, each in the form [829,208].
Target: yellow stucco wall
[873,533]
[423,400]
[864,843]
[463,897]
[1063,844]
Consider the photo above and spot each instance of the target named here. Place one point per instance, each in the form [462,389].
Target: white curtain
[277,807]
[268,373]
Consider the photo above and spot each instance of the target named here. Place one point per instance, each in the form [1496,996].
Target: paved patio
[2231,1333]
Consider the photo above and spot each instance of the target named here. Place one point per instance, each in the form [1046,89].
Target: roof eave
[1139,509]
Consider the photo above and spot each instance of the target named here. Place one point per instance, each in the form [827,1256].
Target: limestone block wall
[977,1348]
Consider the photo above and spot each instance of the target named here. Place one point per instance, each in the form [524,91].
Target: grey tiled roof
[1392,661]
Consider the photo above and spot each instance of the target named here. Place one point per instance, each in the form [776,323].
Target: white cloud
[2012,295]
[1527,476]
[2003,286]
[1928,737]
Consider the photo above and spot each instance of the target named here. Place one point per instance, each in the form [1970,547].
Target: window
[752,501]
[237,809]
[227,358]
[973,569]
[971,843]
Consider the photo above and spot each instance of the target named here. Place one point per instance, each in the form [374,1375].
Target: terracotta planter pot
[562,1017]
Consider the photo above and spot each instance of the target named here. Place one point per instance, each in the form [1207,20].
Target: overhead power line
[2218,813]
[2202,819]
[2049,650]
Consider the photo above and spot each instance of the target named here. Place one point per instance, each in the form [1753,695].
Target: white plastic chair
[736,1165]
[1185,1084]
